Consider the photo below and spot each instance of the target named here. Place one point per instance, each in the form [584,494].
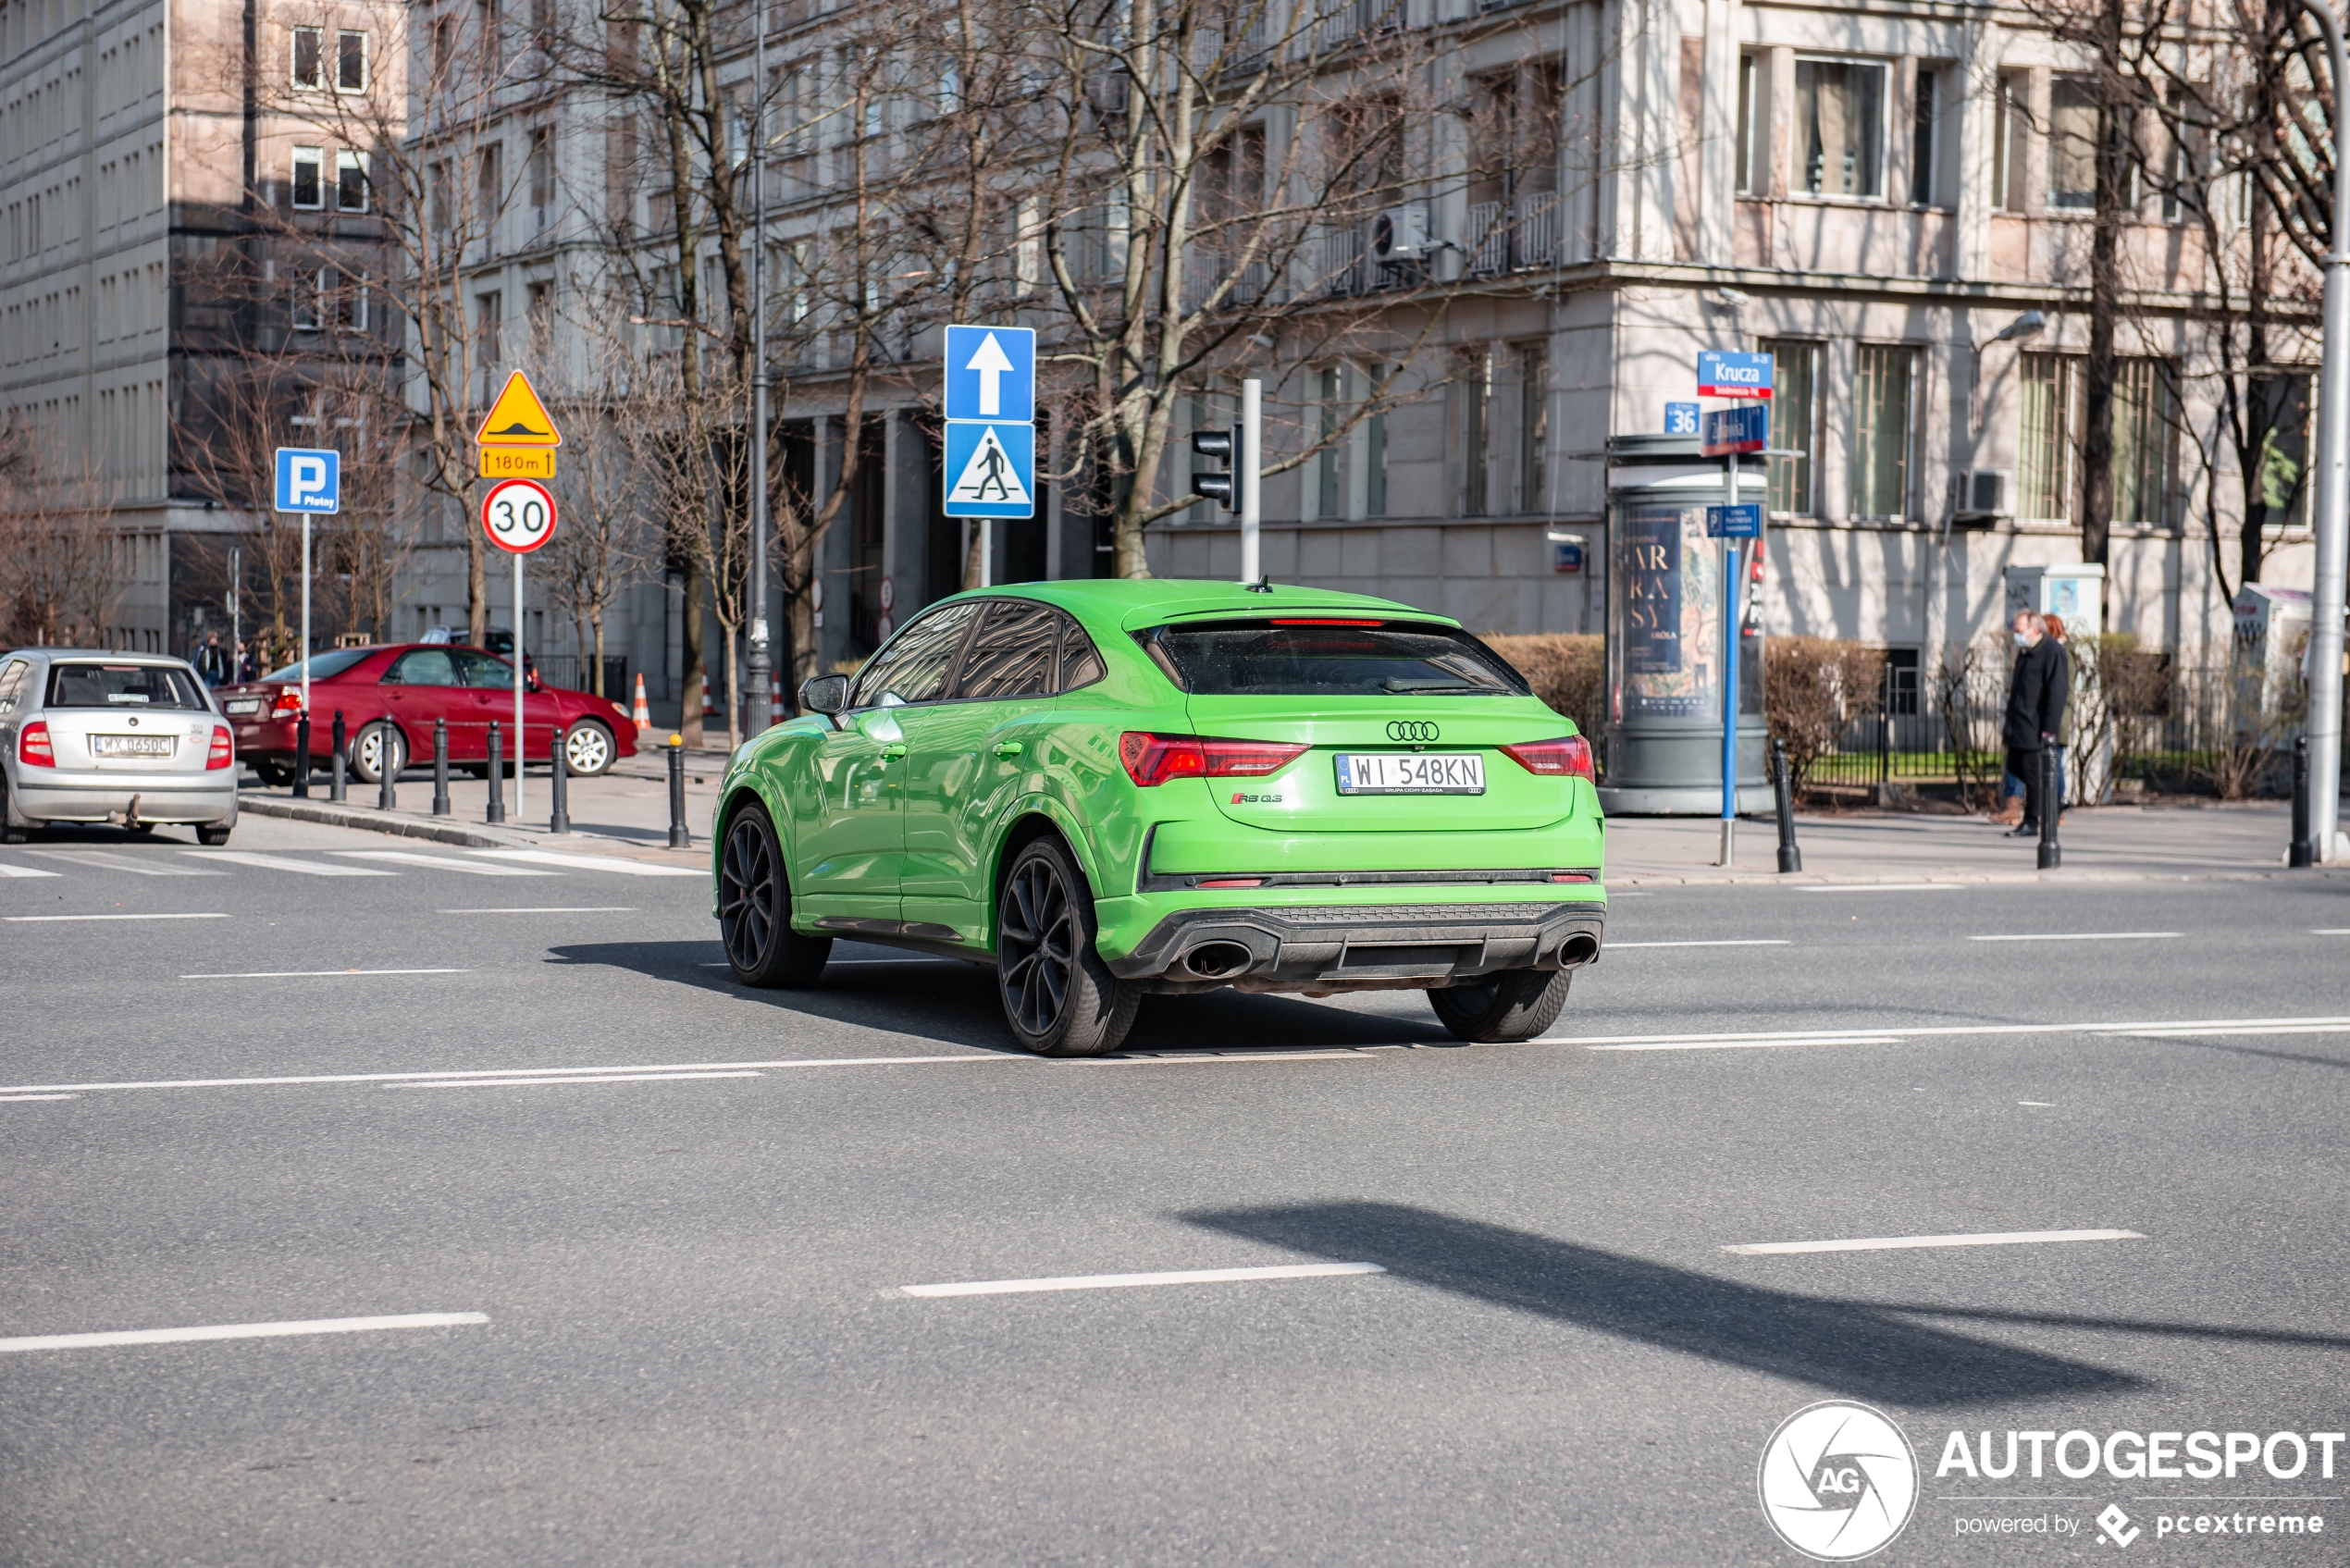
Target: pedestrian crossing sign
[991,469]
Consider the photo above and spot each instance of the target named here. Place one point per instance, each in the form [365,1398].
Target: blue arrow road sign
[1743,522]
[1680,419]
[1723,374]
[991,469]
[309,481]
[991,374]
[1744,429]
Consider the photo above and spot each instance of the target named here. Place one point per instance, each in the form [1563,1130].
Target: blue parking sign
[991,469]
[1741,522]
[991,374]
[309,481]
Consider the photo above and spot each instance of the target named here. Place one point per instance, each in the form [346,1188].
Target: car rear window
[323,665]
[1317,657]
[123,685]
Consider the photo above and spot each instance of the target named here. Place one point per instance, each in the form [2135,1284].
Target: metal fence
[573,670]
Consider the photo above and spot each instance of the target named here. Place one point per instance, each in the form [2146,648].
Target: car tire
[1498,1008]
[370,739]
[1058,997]
[13,828]
[274,773]
[588,749]
[754,909]
[214,838]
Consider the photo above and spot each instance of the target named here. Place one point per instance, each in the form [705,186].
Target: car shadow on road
[1855,1349]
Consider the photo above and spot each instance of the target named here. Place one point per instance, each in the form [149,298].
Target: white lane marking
[553,909]
[313,974]
[244,1331]
[590,863]
[2321,931]
[109,862]
[438,862]
[1883,887]
[1716,1044]
[8,870]
[1896,1033]
[27,919]
[1125,1281]
[1346,1054]
[301,1079]
[1893,1243]
[2078,936]
[550,1083]
[829,963]
[2038,1105]
[22,1099]
[280,863]
[1738,942]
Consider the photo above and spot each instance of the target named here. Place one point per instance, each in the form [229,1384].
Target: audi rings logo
[1838,1481]
[1411,729]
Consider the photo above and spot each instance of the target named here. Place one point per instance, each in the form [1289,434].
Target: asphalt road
[679,1218]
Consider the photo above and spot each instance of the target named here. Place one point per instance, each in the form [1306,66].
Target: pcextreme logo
[1838,1481]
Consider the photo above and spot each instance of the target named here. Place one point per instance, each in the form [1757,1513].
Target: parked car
[1107,788]
[389,697]
[92,737]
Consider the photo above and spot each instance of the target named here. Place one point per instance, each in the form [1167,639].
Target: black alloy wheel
[1060,998]
[754,909]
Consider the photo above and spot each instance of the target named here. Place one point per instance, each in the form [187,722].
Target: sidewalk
[2168,843]
[624,812]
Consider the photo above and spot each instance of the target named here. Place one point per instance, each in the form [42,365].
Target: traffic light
[1221,445]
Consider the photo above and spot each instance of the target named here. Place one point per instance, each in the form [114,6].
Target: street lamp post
[2334,478]
[758,712]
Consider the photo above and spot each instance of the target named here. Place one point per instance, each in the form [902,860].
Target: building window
[2044,447]
[1748,134]
[488,340]
[1477,393]
[1922,148]
[2073,142]
[1533,424]
[350,302]
[1882,386]
[2011,134]
[542,172]
[1795,421]
[1375,439]
[489,194]
[351,62]
[307,192]
[541,303]
[351,181]
[493,38]
[2280,406]
[1328,416]
[308,66]
[1839,124]
[2142,441]
[310,287]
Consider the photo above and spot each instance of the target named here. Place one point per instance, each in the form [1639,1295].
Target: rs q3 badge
[1411,729]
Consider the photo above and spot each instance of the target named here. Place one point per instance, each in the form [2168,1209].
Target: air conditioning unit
[1978,494]
[1400,234]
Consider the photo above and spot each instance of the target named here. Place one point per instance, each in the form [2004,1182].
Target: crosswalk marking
[591,862]
[6,869]
[439,862]
[280,863]
[106,860]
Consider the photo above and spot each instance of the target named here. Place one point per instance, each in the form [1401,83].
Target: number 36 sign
[519,515]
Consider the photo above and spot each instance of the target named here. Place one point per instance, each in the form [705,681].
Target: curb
[376,822]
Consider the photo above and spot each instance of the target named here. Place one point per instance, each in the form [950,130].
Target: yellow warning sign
[517,463]
[518,418]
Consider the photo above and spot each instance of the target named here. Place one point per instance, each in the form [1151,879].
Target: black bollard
[441,766]
[558,788]
[1790,857]
[302,757]
[497,775]
[2051,853]
[339,785]
[389,752]
[2301,852]
[677,836]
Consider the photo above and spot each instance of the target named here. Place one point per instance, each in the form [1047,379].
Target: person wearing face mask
[2035,712]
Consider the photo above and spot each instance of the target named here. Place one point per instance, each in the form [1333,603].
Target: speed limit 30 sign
[518,515]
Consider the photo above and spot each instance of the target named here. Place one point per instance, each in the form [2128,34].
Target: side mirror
[825,694]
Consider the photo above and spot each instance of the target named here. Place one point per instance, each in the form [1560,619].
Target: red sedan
[390,696]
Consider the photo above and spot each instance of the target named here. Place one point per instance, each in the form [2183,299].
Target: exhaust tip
[1580,949]
[1217,960]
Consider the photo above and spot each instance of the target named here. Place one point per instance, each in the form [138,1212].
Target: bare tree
[65,564]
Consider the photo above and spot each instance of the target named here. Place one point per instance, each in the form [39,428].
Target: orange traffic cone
[643,715]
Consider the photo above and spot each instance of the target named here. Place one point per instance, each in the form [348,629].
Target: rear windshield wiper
[1392,684]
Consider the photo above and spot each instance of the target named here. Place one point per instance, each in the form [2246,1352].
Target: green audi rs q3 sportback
[1104,789]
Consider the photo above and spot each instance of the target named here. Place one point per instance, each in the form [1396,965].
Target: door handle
[892,753]
[1008,748]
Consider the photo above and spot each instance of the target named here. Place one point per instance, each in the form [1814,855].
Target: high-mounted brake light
[1320,621]
[1569,756]
[289,701]
[33,746]
[1152,760]
[223,750]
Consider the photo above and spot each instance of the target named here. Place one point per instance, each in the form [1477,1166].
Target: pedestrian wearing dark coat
[2034,717]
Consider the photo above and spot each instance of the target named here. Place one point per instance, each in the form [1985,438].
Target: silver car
[91,736]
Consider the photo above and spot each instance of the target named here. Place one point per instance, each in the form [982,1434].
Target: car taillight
[289,701]
[33,746]
[222,752]
[1152,760]
[1567,758]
